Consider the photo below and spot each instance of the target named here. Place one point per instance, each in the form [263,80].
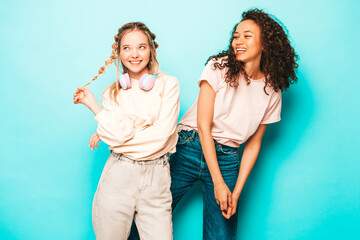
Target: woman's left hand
[94,141]
[232,210]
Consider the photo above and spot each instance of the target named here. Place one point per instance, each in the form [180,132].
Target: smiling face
[246,42]
[135,53]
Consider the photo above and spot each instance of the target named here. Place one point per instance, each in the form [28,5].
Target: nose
[239,41]
[135,53]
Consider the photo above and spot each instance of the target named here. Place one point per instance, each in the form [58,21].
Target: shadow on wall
[281,139]
[297,112]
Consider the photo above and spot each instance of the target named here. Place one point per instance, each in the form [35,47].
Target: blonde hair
[153,65]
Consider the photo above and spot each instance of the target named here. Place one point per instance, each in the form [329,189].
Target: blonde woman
[138,122]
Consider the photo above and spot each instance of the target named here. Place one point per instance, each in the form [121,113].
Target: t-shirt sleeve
[211,75]
[273,111]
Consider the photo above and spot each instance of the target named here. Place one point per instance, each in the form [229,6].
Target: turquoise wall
[306,182]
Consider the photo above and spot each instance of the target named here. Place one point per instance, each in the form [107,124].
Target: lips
[240,50]
[135,62]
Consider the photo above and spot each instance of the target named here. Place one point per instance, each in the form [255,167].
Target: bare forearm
[95,108]
[204,122]
[250,154]
[205,117]
[208,147]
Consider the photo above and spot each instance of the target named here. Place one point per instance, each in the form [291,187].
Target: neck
[138,75]
[252,69]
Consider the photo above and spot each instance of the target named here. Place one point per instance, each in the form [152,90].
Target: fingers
[229,199]
[94,139]
[79,90]
[226,203]
[91,143]
[76,97]
[229,206]
[229,212]
[96,143]
[226,206]
[224,213]
[223,205]
[233,210]
[83,90]
[79,95]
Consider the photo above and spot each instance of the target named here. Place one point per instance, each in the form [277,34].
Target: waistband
[158,161]
[193,134]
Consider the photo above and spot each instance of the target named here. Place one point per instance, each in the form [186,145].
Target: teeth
[133,62]
[241,49]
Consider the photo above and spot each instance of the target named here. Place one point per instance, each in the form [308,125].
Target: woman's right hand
[84,96]
[223,198]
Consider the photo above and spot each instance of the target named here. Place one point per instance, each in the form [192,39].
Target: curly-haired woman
[240,94]
[139,125]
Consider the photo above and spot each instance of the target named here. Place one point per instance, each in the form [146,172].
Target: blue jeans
[187,166]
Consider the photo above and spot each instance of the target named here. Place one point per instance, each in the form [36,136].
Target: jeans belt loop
[193,134]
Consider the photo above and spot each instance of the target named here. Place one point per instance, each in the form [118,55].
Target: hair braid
[108,62]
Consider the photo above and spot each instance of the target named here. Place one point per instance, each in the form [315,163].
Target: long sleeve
[114,126]
[160,137]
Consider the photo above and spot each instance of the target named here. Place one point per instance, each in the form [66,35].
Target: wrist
[94,107]
[218,181]
[236,193]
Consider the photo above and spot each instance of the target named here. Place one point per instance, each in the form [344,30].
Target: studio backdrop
[305,183]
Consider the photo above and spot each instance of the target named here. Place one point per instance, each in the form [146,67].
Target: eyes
[141,47]
[245,36]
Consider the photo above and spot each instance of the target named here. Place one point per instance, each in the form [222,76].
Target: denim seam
[227,153]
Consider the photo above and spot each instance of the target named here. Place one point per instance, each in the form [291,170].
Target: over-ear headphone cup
[146,82]
[124,81]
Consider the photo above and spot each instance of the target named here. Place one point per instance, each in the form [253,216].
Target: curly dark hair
[278,58]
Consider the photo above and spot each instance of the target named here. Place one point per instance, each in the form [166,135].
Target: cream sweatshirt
[142,126]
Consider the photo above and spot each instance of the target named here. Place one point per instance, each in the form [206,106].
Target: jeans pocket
[227,150]
[229,163]
[183,138]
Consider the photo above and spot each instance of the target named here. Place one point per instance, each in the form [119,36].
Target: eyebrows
[246,31]
[129,44]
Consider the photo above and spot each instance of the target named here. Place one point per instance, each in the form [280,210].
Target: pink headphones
[146,81]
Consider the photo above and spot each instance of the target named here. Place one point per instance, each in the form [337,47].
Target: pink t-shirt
[238,112]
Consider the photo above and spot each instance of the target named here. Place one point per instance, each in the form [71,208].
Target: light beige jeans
[133,189]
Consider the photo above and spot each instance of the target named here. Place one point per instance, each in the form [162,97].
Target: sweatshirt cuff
[99,116]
